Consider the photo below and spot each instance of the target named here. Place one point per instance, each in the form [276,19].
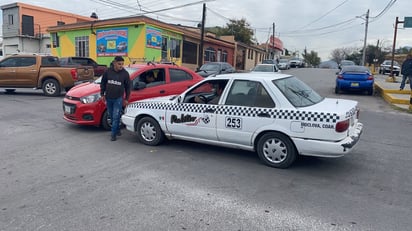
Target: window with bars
[55,40]
[82,46]
[224,56]
[210,54]
[175,45]
[164,48]
[10,19]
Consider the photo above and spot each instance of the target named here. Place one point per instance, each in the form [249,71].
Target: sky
[317,25]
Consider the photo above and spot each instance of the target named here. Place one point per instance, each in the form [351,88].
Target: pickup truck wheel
[51,87]
[149,131]
[276,150]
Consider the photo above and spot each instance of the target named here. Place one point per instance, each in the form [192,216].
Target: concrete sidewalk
[391,93]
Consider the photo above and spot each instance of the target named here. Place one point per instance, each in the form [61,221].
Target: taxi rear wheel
[276,150]
[149,131]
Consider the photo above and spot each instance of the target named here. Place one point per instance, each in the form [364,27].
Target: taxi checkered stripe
[242,111]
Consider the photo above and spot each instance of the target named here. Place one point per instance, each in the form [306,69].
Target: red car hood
[84,90]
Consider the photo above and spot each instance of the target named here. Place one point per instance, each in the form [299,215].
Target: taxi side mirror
[139,85]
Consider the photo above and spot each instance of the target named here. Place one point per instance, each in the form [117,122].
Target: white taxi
[276,115]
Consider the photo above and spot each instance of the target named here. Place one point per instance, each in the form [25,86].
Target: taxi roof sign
[407,22]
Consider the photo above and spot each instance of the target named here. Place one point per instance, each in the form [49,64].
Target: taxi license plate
[67,109]
[354,84]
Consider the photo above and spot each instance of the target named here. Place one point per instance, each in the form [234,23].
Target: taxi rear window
[297,92]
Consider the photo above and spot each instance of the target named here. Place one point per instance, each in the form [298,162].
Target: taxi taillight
[340,76]
[342,126]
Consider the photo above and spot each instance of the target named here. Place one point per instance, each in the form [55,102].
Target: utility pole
[273,42]
[202,35]
[393,49]
[366,36]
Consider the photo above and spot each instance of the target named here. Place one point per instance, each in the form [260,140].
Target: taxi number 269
[233,122]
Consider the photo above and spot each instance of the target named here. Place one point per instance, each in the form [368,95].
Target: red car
[82,104]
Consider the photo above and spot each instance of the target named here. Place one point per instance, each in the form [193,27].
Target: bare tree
[340,54]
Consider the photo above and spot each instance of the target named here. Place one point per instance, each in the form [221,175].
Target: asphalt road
[59,176]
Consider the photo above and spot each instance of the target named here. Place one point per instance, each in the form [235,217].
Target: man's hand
[198,100]
[125,102]
[103,98]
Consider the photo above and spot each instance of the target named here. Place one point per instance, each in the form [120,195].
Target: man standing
[115,83]
[406,71]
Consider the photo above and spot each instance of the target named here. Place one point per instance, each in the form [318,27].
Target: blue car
[354,78]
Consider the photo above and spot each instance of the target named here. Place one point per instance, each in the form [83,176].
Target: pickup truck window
[10,62]
[84,62]
[49,61]
[18,62]
[27,61]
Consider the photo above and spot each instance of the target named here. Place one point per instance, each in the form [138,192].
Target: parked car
[283,64]
[296,62]
[265,68]
[83,61]
[385,67]
[269,61]
[357,78]
[41,72]
[330,64]
[276,115]
[83,105]
[346,63]
[214,68]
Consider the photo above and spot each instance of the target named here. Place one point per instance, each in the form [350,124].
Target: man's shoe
[113,138]
[119,133]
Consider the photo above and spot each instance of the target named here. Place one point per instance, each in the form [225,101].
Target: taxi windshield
[297,92]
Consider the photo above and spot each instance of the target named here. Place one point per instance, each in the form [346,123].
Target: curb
[390,92]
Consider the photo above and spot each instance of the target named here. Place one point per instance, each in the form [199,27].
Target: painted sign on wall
[153,38]
[112,42]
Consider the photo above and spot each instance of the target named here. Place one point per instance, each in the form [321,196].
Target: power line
[388,6]
[325,14]
[321,28]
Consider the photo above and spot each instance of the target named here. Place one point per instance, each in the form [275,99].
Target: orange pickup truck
[41,72]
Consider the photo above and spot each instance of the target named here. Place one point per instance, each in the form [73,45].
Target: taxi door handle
[162,91]
[264,115]
[210,110]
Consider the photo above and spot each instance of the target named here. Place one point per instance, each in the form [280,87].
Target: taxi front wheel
[149,131]
[276,150]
